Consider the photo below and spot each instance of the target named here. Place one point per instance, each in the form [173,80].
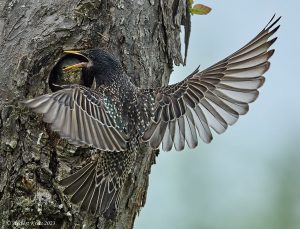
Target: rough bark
[144,34]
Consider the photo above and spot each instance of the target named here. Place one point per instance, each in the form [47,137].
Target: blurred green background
[247,178]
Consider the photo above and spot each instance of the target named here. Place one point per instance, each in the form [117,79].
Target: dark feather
[215,97]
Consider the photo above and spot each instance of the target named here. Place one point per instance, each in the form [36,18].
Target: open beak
[77,66]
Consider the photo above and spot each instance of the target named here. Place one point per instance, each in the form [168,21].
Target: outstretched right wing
[213,98]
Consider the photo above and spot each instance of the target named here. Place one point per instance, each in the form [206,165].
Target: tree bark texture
[144,34]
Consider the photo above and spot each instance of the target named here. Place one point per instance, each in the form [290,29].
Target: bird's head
[97,63]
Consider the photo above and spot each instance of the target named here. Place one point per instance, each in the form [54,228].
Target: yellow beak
[72,51]
[75,67]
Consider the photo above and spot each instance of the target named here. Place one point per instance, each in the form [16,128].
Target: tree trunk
[33,34]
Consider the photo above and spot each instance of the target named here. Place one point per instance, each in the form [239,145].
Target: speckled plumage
[117,116]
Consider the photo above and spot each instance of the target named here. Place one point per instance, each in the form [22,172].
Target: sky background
[247,177]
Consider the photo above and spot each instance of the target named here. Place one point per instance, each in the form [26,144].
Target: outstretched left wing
[80,115]
[213,98]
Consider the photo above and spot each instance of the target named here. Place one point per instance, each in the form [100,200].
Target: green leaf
[200,9]
[190,3]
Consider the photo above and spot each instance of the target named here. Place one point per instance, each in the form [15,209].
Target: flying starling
[117,116]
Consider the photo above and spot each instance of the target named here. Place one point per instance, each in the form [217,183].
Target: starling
[118,116]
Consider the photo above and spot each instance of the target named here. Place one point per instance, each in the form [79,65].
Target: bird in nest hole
[117,116]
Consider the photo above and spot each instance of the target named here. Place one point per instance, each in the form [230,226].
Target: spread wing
[96,187]
[211,99]
[79,115]
[95,191]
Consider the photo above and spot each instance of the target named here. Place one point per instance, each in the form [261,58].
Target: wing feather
[79,115]
[213,98]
